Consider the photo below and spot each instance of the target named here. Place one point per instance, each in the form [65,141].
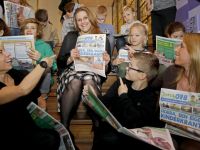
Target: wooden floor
[81,124]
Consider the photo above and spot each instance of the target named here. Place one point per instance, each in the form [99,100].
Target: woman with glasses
[133,103]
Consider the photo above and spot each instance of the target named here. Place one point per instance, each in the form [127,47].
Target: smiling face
[137,37]
[83,22]
[128,16]
[101,19]
[177,35]
[182,56]
[5,62]
[31,29]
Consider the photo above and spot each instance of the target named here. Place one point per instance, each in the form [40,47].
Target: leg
[112,43]
[120,42]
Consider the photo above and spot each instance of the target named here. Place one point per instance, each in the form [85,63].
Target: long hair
[94,26]
[38,26]
[192,43]
[4,27]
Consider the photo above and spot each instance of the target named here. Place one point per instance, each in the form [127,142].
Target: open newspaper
[158,137]
[13,12]
[17,47]
[44,120]
[165,47]
[123,53]
[91,48]
[181,111]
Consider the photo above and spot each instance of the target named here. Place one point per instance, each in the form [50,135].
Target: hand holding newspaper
[158,137]
[91,48]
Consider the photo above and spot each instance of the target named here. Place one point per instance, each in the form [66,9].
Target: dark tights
[71,99]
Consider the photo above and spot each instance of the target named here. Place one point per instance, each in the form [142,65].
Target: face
[128,16]
[177,35]
[31,29]
[43,24]
[5,62]
[69,14]
[101,19]
[137,37]
[83,22]
[131,74]
[182,56]
[15,1]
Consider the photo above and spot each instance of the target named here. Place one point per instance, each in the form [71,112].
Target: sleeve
[31,14]
[141,116]
[48,52]
[108,49]
[55,36]
[122,31]
[68,44]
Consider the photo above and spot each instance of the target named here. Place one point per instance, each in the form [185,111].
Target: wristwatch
[43,64]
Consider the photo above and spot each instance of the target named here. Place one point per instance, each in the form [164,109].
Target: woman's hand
[85,90]
[131,51]
[49,60]
[21,19]
[74,53]
[156,53]
[118,61]
[122,88]
[106,57]
[33,54]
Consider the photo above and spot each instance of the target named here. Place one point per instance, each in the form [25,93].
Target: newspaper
[91,48]
[181,111]
[44,120]
[165,47]
[123,53]
[149,6]
[13,12]
[158,137]
[17,47]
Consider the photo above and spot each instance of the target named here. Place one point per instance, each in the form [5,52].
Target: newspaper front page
[181,111]
[165,47]
[44,120]
[13,12]
[91,48]
[17,47]
[158,137]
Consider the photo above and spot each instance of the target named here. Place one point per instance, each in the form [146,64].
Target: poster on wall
[193,24]
[181,3]
[149,6]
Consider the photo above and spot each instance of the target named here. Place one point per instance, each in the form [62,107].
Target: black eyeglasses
[134,68]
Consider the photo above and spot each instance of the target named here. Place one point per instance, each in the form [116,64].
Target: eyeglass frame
[134,68]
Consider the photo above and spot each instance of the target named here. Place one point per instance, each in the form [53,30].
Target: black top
[134,109]
[68,44]
[15,118]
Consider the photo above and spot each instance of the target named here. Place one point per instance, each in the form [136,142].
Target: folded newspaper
[13,12]
[17,47]
[44,120]
[181,111]
[91,48]
[158,137]
[165,47]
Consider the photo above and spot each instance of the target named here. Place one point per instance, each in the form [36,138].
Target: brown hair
[147,63]
[192,43]
[143,28]
[4,27]
[41,15]
[38,25]
[126,8]
[101,10]
[174,27]
[69,7]
[94,26]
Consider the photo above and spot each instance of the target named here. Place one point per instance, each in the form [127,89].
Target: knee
[190,145]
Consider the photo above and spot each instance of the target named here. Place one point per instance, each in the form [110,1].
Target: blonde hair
[94,26]
[192,43]
[38,26]
[101,10]
[148,63]
[143,28]
[126,8]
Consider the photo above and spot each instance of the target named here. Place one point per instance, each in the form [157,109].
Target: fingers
[53,56]
[127,46]
[121,82]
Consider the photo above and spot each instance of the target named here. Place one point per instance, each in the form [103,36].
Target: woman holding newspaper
[17,128]
[71,82]
[183,76]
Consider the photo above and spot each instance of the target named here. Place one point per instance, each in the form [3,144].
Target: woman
[70,82]
[32,27]
[17,128]
[183,76]
[4,31]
